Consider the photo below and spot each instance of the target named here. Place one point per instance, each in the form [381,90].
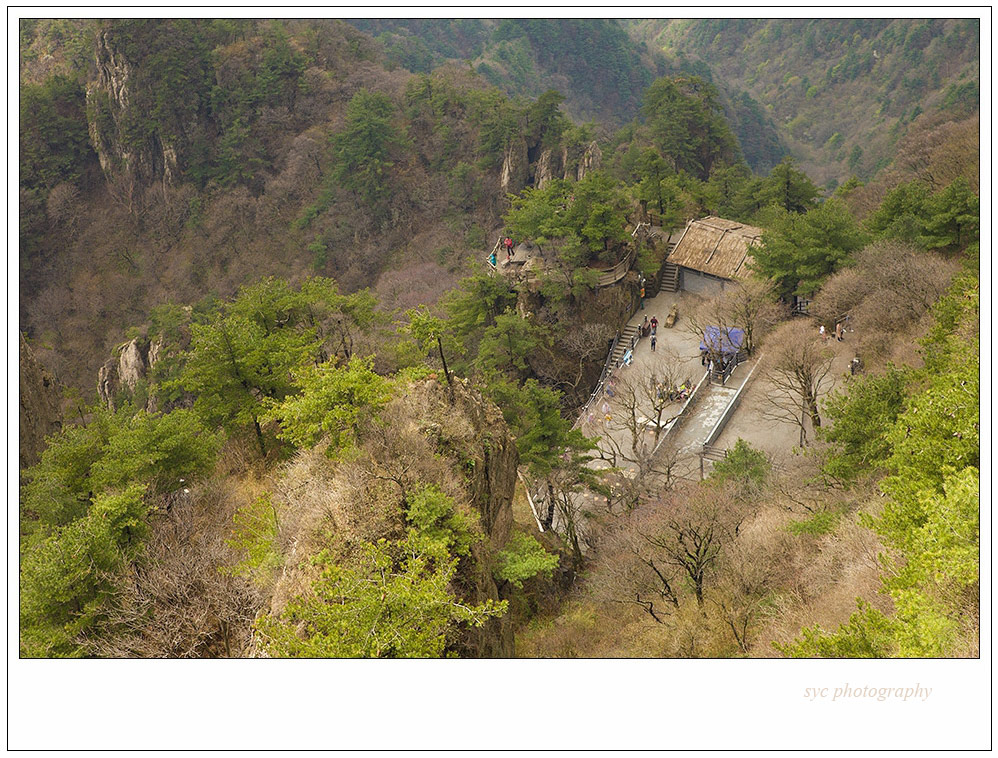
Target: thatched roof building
[716,247]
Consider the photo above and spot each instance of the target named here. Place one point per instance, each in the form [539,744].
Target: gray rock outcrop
[122,373]
[549,166]
[591,160]
[514,173]
[108,101]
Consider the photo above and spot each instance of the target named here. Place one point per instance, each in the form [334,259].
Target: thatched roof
[716,246]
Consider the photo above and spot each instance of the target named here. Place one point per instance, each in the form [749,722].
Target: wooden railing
[616,273]
[801,307]
[721,376]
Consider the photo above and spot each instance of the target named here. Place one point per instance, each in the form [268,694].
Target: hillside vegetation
[592,61]
[267,242]
[877,76]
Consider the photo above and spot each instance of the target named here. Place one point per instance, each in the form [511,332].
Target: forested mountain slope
[176,160]
[842,92]
[171,161]
[593,62]
[600,69]
[267,241]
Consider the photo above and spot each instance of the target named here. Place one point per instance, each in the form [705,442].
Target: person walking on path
[508,242]
[654,325]
[822,333]
[654,341]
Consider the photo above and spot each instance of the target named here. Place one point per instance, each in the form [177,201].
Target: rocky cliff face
[109,100]
[487,452]
[39,415]
[518,171]
[124,372]
[515,168]
[591,160]
[549,165]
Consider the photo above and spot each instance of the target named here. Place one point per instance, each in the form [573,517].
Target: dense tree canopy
[860,420]
[800,250]
[249,351]
[54,145]
[84,515]
[686,125]
[366,149]
[788,188]
[592,209]
[395,602]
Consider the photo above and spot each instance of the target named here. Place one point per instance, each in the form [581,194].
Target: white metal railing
[530,500]
[607,278]
[732,404]
[492,256]
[604,376]
[705,379]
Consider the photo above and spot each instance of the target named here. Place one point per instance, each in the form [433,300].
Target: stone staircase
[628,337]
[670,278]
[669,281]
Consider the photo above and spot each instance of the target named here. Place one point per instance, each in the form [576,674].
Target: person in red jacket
[508,242]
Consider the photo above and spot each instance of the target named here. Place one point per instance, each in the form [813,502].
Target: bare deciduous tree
[749,305]
[633,572]
[175,602]
[891,285]
[63,205]
[583,345]
[904,283]
[567,510]
[632,440]
[661,556]
[700,521]
[799,369]
[750,568]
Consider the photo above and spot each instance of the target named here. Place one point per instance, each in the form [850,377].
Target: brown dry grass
[587,629]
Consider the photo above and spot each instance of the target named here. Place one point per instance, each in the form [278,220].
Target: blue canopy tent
[723,341]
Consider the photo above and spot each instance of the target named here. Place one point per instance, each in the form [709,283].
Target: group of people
[507,244]
[682,392]
[649,328]
[840,331]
